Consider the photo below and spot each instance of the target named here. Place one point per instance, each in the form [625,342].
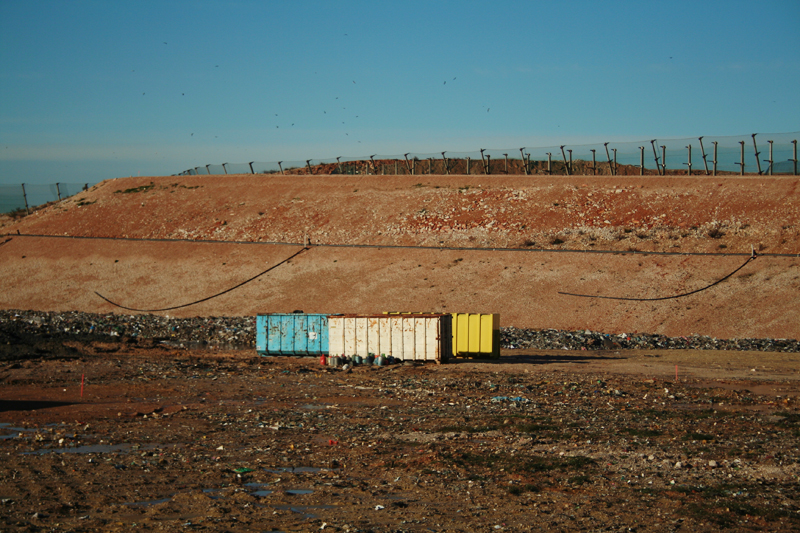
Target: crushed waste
[240,332]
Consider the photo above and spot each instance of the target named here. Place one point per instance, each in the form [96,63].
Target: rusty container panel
[408,338]
[291,334]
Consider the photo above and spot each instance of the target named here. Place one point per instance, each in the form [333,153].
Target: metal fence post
[524,163]
[208,169]
[715,157]
[408,165]
[308,165]
[564,156]
[488,164]
[794,151]
[58,191]
[641,160]
[506,168]
[225,170]
[742,163]
[664,159]
[483,158]
[251,167]
[550,163]
[703,150]
[446,166]
[25,197]
[594,162]
[616,170]
[280,167]
[570,161]
[769,170]
[755,148]
[655,156]
[608,158]
[690,159]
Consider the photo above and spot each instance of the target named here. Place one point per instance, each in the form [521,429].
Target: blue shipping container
[292,334]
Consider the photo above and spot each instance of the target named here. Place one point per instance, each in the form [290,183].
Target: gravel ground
[126,435]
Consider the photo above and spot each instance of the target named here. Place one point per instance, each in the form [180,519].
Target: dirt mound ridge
[545,223]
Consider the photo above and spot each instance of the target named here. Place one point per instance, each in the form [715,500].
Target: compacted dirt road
[116,433]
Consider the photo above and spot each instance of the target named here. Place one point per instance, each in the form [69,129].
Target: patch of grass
[143,188]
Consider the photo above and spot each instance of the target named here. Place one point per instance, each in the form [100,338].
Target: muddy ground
[117,435]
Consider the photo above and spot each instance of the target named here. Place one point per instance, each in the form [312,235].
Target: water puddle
[258,490]
[305,510]
[5,426]
[298,492]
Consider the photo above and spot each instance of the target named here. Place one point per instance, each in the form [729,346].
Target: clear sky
[96,89]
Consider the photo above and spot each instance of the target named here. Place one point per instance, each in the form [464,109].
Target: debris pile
[240,332]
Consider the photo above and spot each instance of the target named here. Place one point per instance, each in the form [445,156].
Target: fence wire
[763,153]
[16,197]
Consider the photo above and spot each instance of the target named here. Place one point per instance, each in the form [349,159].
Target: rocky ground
[116,435]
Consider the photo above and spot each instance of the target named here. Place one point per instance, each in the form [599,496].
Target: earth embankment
[507,244]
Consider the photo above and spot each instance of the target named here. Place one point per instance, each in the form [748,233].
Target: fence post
[594,162]
[703,150]
[641,160]
[715,158]
[25,196]
[655,156]
[742,163]
[506,168]
[608,158]
[58,191]
[483,158]
[564,156]
[395,167]
[755,148]
[308,165]
[524,163]
[488,164]
[690,159]
[794,151]
[208,169]
[225,170]
[570,161]
[769,171]
[374,168]
[549,163]
[85,186]
[616,169]
[446,166]
[664,159]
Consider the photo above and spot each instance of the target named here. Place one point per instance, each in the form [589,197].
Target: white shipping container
[405,337]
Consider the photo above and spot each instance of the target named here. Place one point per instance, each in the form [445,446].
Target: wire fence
[771,153]
[26,196]
[768,154]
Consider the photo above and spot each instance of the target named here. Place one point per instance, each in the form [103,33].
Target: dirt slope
[539,218]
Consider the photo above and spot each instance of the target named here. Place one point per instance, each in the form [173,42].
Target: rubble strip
[240,333]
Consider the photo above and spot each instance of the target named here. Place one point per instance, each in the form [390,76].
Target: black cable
[204,299]
[752,256]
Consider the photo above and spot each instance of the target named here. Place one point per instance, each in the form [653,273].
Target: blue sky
[91,90]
